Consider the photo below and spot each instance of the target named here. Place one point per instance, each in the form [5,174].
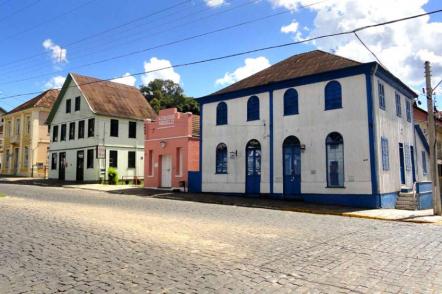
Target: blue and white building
[317,127]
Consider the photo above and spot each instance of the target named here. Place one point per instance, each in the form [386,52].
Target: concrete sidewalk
[422,216]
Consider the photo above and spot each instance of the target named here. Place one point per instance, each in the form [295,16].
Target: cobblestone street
[56,239]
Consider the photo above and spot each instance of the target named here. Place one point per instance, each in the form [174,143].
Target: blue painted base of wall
[351,200]
[425,201]
[424,195]
[194,179]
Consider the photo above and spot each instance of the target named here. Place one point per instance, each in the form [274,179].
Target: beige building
[26,138]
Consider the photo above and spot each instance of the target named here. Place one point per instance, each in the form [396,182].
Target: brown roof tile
[44,100]
[114,99]
[301,65]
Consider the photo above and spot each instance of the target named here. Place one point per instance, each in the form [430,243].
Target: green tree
[162,94]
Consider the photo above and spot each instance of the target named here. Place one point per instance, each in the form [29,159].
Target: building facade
[26,138]
[2,112]
[96,125]
[171,149]
[316,127]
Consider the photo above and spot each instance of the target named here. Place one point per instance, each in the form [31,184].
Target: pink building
[171,148]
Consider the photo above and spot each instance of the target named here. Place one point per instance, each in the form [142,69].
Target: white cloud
[214,3]
[55,82]
[126,79]
[402,47]
[165,74]
[58,54]
[290,28]
[250,67]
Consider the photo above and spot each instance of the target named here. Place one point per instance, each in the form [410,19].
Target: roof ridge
[101,81]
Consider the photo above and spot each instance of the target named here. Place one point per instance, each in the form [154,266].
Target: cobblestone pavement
[55,239]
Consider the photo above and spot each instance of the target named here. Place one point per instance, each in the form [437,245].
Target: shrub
[112,175]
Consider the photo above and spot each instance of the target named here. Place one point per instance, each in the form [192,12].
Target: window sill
[327,109]
[291,114]
[335,187]
[221,173]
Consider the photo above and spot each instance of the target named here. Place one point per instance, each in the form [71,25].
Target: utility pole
[432,137]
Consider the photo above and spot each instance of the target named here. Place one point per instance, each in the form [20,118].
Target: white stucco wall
[122,143]
[396,130]
[313,124]
[236,134]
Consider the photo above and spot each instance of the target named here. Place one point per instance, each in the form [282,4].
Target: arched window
[253,108]
[291,102]
[335,160]
[333,95]
[221,114]
[221,159]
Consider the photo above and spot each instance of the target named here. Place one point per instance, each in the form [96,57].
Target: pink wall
[170,132]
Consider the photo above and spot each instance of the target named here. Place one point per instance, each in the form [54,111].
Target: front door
[292,166]
[16,152]
[401,161]
[166,171]
[62,166]
[253,167]
[80,166]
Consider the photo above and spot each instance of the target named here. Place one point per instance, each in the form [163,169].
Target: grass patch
[2,195]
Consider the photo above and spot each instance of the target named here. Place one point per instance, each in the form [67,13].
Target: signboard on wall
[166,120]
[101,152]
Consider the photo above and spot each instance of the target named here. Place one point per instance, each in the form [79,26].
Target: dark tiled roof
[301,65]
[2,111]
[44,100]
[114,99]
[196,126]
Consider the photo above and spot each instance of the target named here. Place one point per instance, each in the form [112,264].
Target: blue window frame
[398,105]
[221,159]
[253,108]
[221,114]
[333,95]
[291,102]
[424,163]
[408,110]
[385,154]
[381,93]
[335,160]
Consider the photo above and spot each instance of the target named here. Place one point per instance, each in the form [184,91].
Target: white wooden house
[94,125]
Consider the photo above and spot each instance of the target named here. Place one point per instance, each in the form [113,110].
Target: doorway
[166,171]
[291,166]
[62,166]
[253,167]
[80,166]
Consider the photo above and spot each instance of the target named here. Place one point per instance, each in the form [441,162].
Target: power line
[249,51]
[19,10]
[366,47]
[105,31]
[249,2]
[47,21]
[438,84]
[167,43]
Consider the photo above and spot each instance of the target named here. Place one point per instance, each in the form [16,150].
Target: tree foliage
[162,94]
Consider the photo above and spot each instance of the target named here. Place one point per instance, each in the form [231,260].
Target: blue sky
[25,25]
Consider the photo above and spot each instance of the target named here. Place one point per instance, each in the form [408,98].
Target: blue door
[401,160]
[292,166]
[253,167]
